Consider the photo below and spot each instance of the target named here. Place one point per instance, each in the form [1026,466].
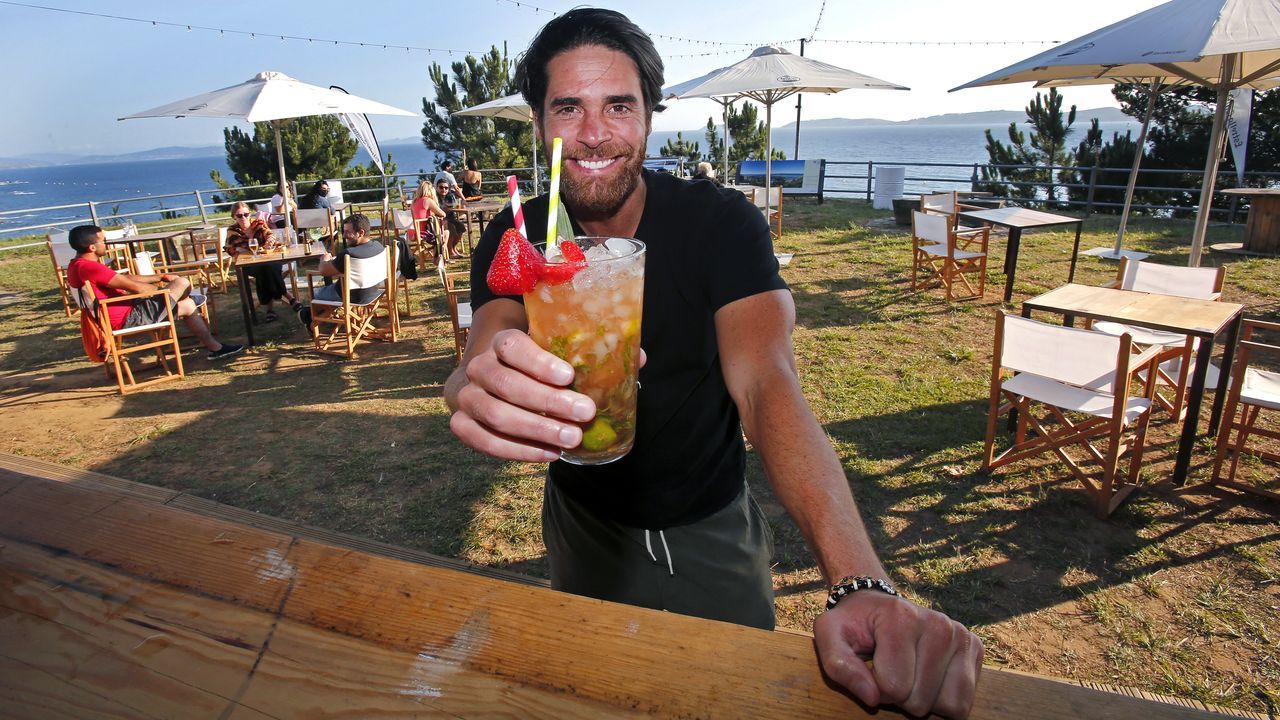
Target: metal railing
[968,176]
[839,178]
[211,204]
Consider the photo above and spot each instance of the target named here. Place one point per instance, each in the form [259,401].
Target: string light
[818,24]
[224,31]
[731,48]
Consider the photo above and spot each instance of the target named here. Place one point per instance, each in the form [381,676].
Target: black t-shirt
[705,248]
[363,251]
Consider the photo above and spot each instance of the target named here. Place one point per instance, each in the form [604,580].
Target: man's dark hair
[358,222]
[83,237]
[447,165]
[589,26]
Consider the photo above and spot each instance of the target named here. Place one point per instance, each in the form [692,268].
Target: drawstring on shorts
[649,546]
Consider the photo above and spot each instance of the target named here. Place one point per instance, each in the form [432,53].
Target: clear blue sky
[70,76]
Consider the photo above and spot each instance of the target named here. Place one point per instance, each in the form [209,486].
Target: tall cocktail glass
[593,322]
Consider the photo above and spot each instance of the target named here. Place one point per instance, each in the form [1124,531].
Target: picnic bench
[119,599]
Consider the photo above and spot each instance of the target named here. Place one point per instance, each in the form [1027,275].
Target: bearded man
[672,524]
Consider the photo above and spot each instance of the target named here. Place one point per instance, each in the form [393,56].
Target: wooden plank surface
[1191,316]
[1016,217]
[115,605]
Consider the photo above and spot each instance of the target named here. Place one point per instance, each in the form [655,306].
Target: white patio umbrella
[770,74]
[270,97]
[1222,44]
[679,90]
[511,107]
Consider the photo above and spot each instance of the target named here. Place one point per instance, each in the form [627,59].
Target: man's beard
[601,198]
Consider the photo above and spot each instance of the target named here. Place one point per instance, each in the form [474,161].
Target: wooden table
[476,210]
[1017,219]
[1204,319]
[301,251]
[125,600]
[1262,231]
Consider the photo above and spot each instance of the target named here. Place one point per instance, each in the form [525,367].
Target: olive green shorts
[716,568]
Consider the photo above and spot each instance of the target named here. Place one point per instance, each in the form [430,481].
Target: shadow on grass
[980,546]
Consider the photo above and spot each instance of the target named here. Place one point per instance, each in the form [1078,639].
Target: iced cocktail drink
[593,322]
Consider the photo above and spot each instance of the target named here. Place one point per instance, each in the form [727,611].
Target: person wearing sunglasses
[246,230]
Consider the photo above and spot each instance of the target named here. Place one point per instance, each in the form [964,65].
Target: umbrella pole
[1211,163]
[288,216]
[537,183]
[1137,162]
[725,107]
[768,154]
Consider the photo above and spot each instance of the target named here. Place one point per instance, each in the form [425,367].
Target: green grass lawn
[1175,593]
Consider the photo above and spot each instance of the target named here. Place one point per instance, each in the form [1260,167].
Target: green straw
[553,207]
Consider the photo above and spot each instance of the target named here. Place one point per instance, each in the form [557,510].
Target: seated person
[454,225]
[355,230]
[317,198]
[446,175]
[705,172]
[281,203]
[471,181]
[425,204]
[90,244]
[269,277]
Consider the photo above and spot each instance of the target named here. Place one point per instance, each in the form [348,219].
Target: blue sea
[114,185]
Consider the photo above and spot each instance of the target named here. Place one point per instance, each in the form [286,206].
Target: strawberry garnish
[558,273]
[572,252]
[516,265]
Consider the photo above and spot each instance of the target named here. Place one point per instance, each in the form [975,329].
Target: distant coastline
[985,118]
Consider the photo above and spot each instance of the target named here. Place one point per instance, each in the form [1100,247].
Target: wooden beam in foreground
[116,603]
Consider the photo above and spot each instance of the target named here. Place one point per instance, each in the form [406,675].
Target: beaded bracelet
[850,585]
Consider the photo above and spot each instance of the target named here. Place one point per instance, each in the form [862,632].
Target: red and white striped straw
[514,189]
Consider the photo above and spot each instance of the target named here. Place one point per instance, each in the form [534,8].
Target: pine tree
[1112,158]
[715,144]
[747,133]
[681,148]
[1043,149]
[316,146]
[998,177]
[494,143]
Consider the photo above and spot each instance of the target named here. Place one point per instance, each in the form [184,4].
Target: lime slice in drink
[598,436]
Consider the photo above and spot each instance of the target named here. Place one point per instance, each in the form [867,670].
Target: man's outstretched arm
[923,660]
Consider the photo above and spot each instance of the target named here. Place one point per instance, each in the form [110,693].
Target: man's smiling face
[595,103]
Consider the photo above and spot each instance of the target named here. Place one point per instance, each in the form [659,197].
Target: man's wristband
[850,585]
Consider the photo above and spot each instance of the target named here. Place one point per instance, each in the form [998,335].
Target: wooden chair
[351,323]
[377,213]
[219,262]
[61,254]
[1070,387]
[945,203]
[160,337]
[1252,390]
[117,257]
[402,223]
[946,255]
[459,309]
[428,239]
[775,208]
[1177,352]
[321,220]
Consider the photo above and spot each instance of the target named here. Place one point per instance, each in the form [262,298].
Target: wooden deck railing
[124,600]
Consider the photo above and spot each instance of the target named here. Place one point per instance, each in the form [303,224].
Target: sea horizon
[118,185]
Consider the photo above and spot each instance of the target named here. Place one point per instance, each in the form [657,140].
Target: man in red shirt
[90,245]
